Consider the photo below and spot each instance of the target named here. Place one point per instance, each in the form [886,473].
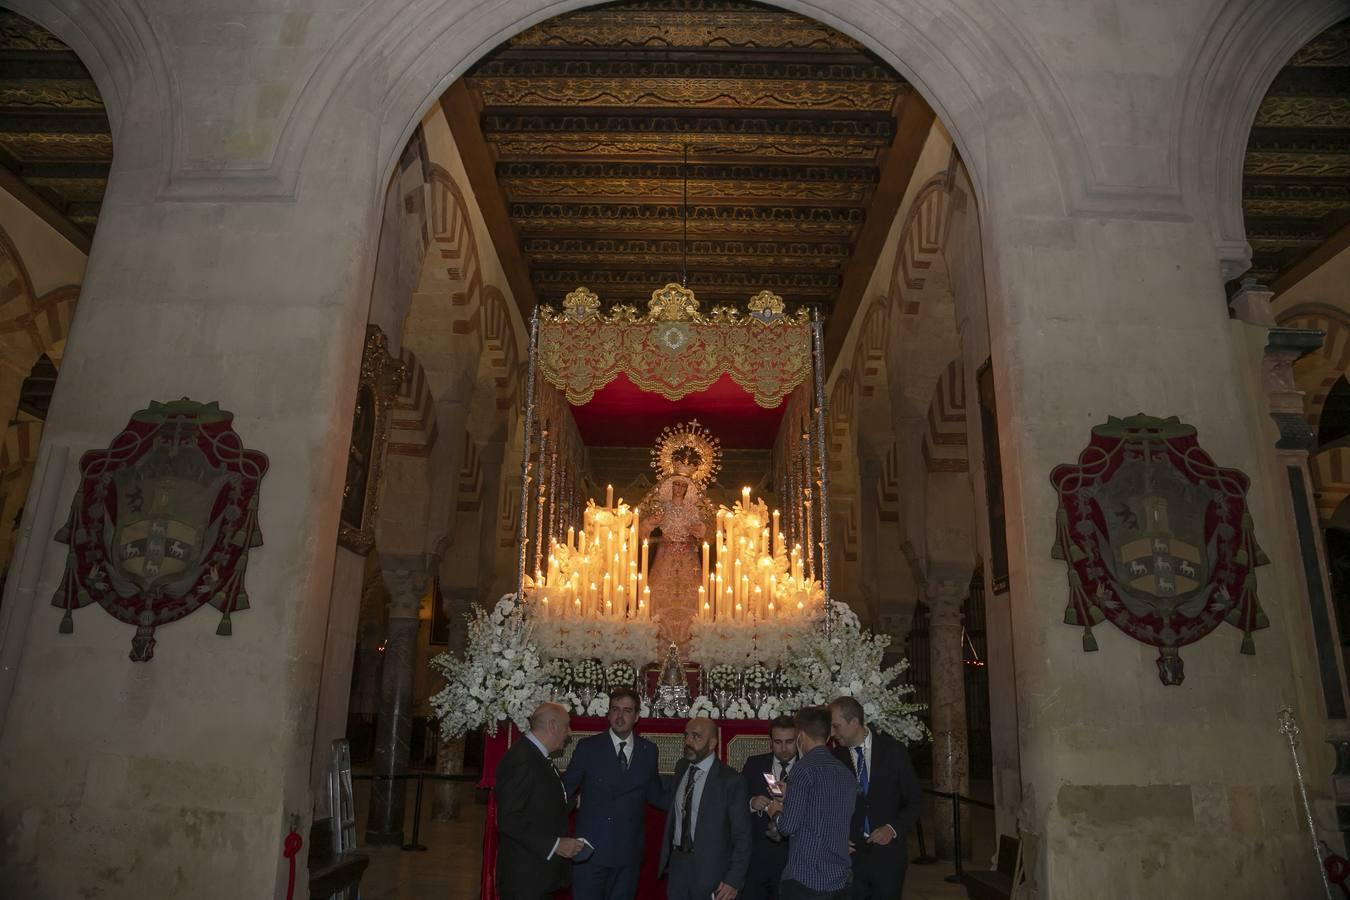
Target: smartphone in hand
[775,789]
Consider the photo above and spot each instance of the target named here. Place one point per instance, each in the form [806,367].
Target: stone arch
[1232,65]
[944,442]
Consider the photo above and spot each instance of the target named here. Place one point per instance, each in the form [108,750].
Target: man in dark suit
[889,802]
[615,775]
[534,853]
[706,848]
[768,855]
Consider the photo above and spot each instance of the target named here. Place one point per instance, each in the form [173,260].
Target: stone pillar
[405,577]
[946,600]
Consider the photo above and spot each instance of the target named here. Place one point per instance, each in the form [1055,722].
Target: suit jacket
[531,816]
[893,794]
[613,802]
[721,831]
[766,857]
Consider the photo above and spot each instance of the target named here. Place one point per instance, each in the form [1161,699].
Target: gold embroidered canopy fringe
[674,349]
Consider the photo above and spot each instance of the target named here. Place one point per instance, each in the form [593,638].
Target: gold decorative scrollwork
[674,349]
[381,376]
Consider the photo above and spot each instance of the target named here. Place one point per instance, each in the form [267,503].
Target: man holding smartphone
[814,815]
[764,774]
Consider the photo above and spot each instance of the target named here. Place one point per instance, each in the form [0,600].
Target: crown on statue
[690,450]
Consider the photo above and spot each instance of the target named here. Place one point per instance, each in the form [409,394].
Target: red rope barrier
[290,849]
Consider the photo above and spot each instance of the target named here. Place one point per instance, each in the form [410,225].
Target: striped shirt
[816,813]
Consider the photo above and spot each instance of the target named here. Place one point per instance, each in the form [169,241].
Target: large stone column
[946,600]
[405,577]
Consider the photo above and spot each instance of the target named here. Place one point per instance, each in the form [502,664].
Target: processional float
[757,566]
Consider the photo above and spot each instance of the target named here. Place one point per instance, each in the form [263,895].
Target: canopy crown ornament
[581,303]
[687,449]
[673,303]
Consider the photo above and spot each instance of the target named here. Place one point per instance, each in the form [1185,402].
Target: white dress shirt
[704,768]
[867,756]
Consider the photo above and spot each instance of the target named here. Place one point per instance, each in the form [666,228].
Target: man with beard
[615,775]
[706,848]
[889,802]
[769,850]
[534,854]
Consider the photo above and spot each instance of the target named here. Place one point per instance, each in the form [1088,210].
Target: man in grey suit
[706,849]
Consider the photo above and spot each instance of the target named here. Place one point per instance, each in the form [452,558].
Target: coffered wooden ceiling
[55,142]
[1296,178]
[800,144]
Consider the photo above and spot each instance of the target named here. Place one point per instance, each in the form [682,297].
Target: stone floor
[449,869]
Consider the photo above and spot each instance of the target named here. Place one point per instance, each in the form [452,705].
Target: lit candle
[705,562]
[745,498]
[645,554]
[774,549]
[646,601]
[609,496]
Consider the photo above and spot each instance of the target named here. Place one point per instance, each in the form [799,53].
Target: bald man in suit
[533,858]
[706,849]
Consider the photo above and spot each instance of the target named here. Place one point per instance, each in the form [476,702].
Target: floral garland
[846,663]
[506,671]
[608,640]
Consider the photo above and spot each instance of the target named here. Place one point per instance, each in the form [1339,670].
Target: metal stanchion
[955,877]
[417,819]
[923,859]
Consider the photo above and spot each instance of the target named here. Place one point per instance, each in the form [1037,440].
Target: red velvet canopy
[623,415]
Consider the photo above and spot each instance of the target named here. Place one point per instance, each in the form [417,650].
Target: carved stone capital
[406,579]
[1284,347]
[1251,303]
[946,603]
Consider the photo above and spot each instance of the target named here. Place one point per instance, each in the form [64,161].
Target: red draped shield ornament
[1158,539]
[162,522]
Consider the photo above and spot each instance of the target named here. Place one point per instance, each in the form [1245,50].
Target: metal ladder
[342,808]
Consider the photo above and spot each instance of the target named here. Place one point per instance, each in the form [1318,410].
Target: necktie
[623,757]
[558,775]
[783,769]
[862,784]
[687,814]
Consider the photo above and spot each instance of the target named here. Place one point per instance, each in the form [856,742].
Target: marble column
[405,577]
[946,598]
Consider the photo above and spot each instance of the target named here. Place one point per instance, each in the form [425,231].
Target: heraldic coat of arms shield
[163,522]
[1158,539]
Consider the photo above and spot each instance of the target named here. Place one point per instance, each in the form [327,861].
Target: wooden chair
[998,883]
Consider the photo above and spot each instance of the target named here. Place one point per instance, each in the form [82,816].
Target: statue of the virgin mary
[686,458]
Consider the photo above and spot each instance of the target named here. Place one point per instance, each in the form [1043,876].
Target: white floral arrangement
[757,678]
[774,640]
[722,643]
[739,708]
[501,676]
[848,663]
[608,640]
[587,673]
[620,674]
[722,678]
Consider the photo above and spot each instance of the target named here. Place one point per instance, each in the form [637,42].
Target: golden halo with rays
[692,449]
